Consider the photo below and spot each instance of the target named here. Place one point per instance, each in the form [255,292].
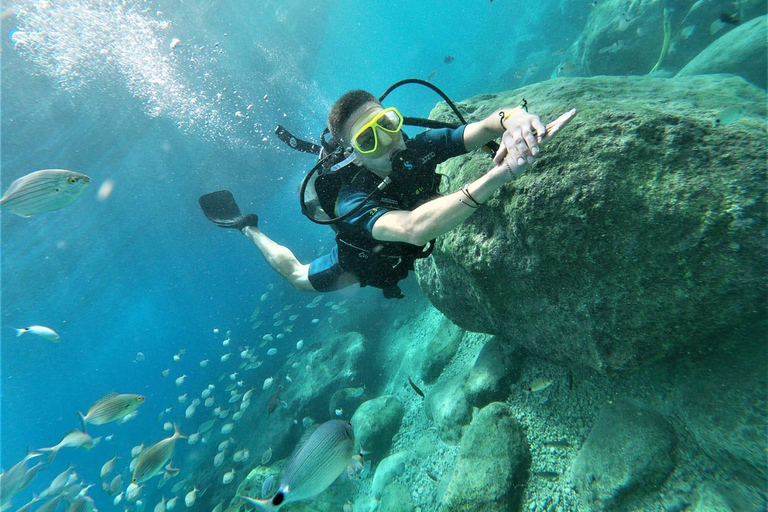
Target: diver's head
[358,120]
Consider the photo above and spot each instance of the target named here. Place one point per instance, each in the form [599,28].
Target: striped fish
[111,407]
[315,464]
[44,191]
[51,505]
[152,460]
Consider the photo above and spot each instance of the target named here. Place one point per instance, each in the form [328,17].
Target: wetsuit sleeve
[364,218]
[445,143]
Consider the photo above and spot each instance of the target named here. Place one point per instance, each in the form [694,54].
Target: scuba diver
[378,189]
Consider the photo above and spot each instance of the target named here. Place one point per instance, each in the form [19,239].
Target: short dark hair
[345,106]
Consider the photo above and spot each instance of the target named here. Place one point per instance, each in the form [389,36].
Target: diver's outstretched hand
[519,148]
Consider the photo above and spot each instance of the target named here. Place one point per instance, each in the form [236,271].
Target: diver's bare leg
[281,259]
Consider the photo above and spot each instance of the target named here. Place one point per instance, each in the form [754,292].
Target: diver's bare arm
[441,215]
[436,217]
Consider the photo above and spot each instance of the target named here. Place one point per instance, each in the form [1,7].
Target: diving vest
[384,264]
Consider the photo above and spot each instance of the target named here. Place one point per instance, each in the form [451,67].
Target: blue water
[143,270]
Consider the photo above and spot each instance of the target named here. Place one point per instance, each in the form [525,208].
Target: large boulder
[446,403]
[629,452]
[631,38]
[723,401]
[495,369]
[440,350]
[640,230]
[492,464]
[388,470]
[376,422]
[741,51]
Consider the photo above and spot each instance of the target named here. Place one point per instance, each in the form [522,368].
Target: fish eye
[72,179]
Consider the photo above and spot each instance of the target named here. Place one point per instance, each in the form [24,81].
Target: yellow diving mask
[366,140]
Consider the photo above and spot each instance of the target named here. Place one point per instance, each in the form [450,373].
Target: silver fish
[84,504]
[75,439]
[107,468]
[44,191]
[115,485]
[15,479]
[28,506]
[51,505]
[151,462]
[40,330]
[111,407]
[57,483]
[316,463]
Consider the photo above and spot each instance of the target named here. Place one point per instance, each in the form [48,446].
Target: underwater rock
[629,452]
[376,422]
[723,401]
[440,350]
[638,232]
[446,403]
[741,51]
[492,463]
[634,38]
[332,365]
[388,470]
[495,369]
[728,497]
[396,498]
[252,484]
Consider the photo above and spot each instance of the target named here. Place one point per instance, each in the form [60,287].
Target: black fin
[221,208]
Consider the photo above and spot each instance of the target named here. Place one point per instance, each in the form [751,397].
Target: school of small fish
[125,477]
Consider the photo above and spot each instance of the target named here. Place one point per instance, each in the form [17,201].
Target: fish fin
[176,432]
[82,420]
[261,505]
[51,453]
[21,331]
[104,397]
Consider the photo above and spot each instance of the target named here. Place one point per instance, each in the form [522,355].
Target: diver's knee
[299,278]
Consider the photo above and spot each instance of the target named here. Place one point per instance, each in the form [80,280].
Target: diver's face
[377,161]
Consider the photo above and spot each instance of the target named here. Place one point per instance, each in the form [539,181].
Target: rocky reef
[638,233]
[594,336]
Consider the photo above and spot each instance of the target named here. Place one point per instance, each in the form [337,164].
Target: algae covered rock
[639,230]
[492,464]
[440,350]
[495,369]
[339,359]
[396,498]
[376,422]
[627,455]
[634,38]
[447,405]
[741,51]
[388,470]
[724,404]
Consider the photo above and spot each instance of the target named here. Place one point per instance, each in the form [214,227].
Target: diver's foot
[249,220]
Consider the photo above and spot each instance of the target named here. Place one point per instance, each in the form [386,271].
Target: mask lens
[366,140]
[390,120]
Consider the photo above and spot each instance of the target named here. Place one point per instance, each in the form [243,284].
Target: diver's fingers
[556,125]
[498,158]
[517,145]
[529,136]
